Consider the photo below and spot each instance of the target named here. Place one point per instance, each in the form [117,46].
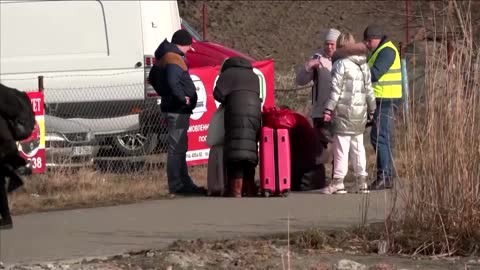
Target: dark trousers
[4,209]
[241,169]
[324,132]
[177,170]
[382,138]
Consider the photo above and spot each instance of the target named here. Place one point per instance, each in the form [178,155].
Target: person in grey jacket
[351,103]
[318,70]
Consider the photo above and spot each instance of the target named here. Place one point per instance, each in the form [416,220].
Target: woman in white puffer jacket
[351,103]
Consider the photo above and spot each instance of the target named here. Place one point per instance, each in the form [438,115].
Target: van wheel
[135,144]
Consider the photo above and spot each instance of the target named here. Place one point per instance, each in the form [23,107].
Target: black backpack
[156,77]
[17,110]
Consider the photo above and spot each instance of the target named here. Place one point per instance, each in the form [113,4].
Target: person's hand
[370,116]
[187,100]
[370,120]
[327,116]
[312,64]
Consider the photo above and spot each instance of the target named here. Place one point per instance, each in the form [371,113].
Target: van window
[58,28]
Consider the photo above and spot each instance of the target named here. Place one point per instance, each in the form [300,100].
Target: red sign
[33,148]
[205,79]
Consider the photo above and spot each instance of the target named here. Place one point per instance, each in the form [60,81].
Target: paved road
[105,231]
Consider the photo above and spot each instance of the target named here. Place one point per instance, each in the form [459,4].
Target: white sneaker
[362,186]
[334,189]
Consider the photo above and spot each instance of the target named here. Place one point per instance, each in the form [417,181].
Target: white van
[93,55]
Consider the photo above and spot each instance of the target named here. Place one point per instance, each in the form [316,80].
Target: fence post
[407,15]
[40,84]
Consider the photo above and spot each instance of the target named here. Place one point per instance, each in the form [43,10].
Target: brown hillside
[289,31]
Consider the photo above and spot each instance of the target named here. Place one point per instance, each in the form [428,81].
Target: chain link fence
[115,128]
[117,135]
[108,128]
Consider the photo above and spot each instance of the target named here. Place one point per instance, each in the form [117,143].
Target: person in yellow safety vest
[384,63]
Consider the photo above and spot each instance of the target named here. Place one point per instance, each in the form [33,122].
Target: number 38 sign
[33,148]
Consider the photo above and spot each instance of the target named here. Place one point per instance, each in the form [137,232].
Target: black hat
[182,37]
[373,31]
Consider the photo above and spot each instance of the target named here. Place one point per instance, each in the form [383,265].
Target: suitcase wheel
[285,193]
[267,193]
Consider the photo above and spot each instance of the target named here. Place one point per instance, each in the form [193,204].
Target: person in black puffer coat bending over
[238,89]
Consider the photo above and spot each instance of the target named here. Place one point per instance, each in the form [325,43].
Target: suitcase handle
[283,138]
[265,138]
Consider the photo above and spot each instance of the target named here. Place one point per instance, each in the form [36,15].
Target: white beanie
[332,35]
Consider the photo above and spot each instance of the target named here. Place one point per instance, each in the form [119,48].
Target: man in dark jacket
[10,160]
[179,97]
[238,89]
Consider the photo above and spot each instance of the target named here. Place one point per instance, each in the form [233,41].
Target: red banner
[33,148]
[205,79]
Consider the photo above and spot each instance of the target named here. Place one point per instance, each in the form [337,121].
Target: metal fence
[107,128]
[116,135]
[113,127]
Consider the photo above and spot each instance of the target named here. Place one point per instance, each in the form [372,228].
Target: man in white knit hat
[318,69]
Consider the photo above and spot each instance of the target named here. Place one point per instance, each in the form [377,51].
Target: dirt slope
[289,31]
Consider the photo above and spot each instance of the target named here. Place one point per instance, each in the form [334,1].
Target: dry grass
[437,154]
[361,240]
[88,188]
[440,150]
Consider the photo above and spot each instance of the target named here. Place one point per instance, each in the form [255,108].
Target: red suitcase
[275,171]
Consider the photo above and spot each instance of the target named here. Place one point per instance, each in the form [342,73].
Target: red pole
[407,15]
[204,9]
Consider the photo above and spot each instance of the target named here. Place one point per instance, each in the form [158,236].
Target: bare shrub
[439,153]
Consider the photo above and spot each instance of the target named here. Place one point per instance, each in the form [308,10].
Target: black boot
[6,223]
[381,183]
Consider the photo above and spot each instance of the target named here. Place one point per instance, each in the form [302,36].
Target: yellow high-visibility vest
[389,85]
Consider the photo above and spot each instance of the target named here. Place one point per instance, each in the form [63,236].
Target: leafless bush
[440,150]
